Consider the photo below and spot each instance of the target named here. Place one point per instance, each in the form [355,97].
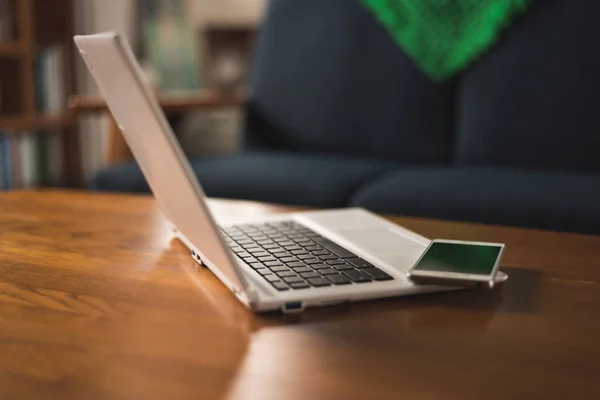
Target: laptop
[287,262]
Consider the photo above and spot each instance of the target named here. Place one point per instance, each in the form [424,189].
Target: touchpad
[382,240]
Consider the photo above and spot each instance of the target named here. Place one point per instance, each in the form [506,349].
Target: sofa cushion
[533,100]
[558,201]
[327,77]
[287,178]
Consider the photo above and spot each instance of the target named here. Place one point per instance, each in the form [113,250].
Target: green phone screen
[460,258]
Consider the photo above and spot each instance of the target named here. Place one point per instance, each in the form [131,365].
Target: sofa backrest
[533,101]
[327,77]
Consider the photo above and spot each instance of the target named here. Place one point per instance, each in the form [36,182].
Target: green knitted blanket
[445,36]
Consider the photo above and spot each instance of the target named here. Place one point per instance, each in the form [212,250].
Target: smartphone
[458,263]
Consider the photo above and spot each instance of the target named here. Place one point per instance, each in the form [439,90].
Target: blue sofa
[339,116]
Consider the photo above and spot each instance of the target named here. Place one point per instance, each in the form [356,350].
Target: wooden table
[96,302]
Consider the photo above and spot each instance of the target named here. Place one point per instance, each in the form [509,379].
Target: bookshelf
[11,50]
[37,75]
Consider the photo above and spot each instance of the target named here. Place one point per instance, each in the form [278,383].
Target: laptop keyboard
[290,256]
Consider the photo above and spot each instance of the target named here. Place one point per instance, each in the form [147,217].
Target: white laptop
[288,262]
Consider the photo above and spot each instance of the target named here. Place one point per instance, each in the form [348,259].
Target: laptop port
[196,256]
[292,306]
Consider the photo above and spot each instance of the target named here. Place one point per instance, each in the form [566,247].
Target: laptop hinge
[252,295]
[248,295]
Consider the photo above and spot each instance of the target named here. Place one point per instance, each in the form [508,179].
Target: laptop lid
[112,63]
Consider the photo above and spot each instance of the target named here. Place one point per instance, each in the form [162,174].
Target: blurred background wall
[200,132]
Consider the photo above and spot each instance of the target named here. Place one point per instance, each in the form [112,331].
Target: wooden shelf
[11,49]
[169,103]
[20,124]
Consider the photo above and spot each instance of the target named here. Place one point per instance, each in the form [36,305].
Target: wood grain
[97,302]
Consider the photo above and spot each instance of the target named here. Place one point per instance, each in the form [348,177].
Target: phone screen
[472,259]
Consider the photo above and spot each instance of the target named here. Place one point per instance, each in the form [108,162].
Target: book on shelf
[30,160]
[6,25]
[50,80]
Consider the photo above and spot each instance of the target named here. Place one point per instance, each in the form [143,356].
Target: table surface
[97,301]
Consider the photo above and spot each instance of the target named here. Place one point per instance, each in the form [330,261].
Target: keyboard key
[280,286]
[275,249]
[334,248]
[299,285]
[360,263]
[246,227]
[328,271]
[265,242]
[273,264]
[338,279]
[244,241]
[331,257]
[269,258]
[243,254]
[320,266]
[335,262]
[283,274]
[311,274]
[321,253]
[288,259]
[256,265]
[356,276]
[279,269]
[260,253]
[319,282]
[342,267]
[312,235]
[377,274]
[236,249]
[305,242]
[305,256]
[249,260]
[313,248]
[253,248]
[294,247]
[275,234]
[299,252]
[281,239]
[292,279]
[302,269]
[282,254]
[296,264]
[286,243]
[271,277]
[270,246]
[264,271]
[258,236]
[312,261]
